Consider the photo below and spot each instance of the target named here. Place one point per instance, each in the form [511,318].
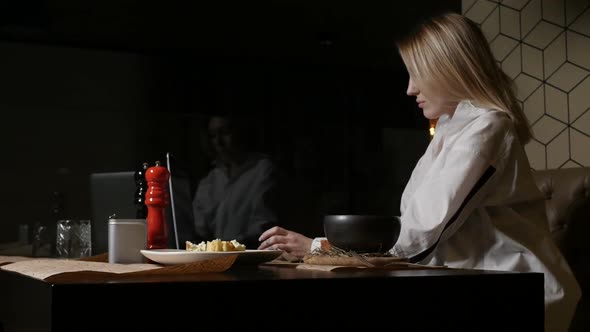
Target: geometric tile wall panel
[534,64]
[491,25]
[516,4]
[567,76]
[582,24]
[573,9]
[578,49]
[512,63]
[530,16]
[510,22]
[546,129]
[466,4]
[502,46]
[542,34]
[525,85]
[554,12]
[480,10]
[534,105]
[556,103]
[558,150]
[580,146]
[570,164]
[535,151]
[554,55]
[579,99]
[544,46]
[583,124]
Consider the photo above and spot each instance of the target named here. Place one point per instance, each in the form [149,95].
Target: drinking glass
[73,238]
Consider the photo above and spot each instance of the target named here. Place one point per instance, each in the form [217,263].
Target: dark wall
[91,88]
[297,31]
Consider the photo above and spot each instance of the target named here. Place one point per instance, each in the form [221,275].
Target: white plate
[179,256]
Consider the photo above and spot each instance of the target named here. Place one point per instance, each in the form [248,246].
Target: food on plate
[215,245]
[196,247]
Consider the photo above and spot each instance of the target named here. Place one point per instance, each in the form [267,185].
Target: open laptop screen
[111,193]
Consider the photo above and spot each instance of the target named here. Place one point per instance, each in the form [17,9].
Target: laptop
[110,193]
[179,213]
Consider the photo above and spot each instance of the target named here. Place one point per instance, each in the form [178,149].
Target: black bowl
[362,233]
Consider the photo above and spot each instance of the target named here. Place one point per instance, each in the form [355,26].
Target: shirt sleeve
[263,215]
[456,183]
[202,213]
[316,243]
[408,192]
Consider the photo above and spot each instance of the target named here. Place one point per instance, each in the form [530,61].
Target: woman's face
[433,104]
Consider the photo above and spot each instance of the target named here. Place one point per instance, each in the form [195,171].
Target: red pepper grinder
[156,200]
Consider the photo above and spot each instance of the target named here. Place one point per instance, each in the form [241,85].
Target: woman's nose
[412,90]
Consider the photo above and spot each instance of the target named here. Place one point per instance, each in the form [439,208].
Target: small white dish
[179,256]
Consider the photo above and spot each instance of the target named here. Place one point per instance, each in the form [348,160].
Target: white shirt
[471,202]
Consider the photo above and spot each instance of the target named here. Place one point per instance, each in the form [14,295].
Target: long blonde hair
[450,53]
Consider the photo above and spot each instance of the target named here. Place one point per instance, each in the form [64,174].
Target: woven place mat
[390,267]
[347,263]
[335,268]
[57,270]
[12,259]
[350,260]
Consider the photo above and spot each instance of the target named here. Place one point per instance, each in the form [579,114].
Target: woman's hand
[290,242]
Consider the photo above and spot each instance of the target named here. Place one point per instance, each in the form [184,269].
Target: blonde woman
[471,201]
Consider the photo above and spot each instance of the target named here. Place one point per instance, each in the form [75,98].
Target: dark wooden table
[278,298]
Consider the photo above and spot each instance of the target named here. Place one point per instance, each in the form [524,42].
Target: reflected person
[471,201]
[235,199]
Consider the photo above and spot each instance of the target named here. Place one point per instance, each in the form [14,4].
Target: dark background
[102,86]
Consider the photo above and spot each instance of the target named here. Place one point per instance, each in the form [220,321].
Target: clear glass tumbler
[73,239]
